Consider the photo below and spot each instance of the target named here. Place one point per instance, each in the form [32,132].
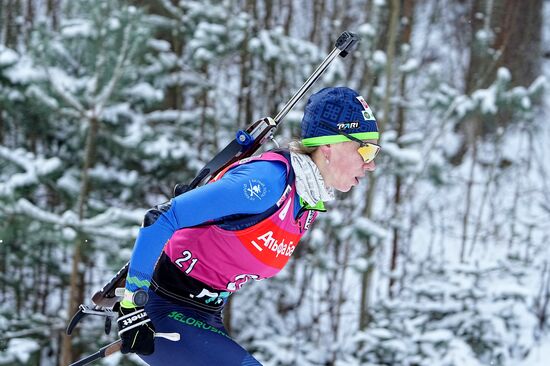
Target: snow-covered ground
[539,355]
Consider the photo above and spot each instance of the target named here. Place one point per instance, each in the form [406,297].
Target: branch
[33,167]
[122,57]
[96,226]
[64,94]
[173,10]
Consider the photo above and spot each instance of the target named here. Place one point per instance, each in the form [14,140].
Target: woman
[196,250]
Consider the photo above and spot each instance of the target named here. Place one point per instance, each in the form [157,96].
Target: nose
[370,166]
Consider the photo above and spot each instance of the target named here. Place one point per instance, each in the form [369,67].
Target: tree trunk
[508,34]
[77,290]
[52,10]
[1,127]
[174,97]
[468,202]
[268,14]
[390,54]
[517,29]
[408,16]
[9,15]
[29,20]
[288,20]
[205,123]
[366,279]
[318,12]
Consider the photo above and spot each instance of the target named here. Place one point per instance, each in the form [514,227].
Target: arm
[247,189]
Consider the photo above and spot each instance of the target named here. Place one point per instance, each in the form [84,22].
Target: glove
[135,330]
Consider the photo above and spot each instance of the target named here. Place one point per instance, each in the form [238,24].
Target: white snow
[7,56]
[34,167]
[539,355]
[379,57]
[21,348]
[24,71]
[410,65]
[77,28]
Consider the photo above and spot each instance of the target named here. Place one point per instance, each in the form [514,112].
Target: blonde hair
[296,146]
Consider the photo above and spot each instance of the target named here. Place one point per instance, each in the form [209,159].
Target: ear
[325,150]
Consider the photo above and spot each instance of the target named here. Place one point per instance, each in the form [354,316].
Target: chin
[343,189]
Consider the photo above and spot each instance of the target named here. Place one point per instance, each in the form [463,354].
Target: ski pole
[115,347]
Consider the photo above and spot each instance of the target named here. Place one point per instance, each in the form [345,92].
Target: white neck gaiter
[309,182]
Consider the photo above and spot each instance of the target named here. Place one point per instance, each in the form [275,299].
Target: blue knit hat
[341,109]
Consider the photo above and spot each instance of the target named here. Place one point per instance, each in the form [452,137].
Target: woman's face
[345,165]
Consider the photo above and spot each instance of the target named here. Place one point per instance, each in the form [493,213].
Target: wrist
[134,299]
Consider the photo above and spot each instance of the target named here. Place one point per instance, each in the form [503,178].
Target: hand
[136,331]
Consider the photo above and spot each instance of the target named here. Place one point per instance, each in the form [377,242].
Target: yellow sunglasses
[367,150]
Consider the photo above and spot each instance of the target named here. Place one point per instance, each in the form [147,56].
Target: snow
[484,36]
[159,45]
[538,85]
[366,30]
[77,28]
[99,225]
[21,348]
[404,156]
[410,66]
[24,72]
[379,57]
[539,355]
[38,93]
[34,167]
[370,228]
[487,100]
[110,174]
[7,56]
[444,312]
[504,74]
[146,91]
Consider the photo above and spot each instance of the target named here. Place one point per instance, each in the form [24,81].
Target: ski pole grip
[347,42]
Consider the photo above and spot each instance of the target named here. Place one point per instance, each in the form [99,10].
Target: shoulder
[269,172]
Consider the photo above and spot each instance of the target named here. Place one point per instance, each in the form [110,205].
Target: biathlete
[193,252]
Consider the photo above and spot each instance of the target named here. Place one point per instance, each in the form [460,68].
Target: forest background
[441,258]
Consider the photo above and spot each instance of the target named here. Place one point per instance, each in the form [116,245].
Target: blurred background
[441,258]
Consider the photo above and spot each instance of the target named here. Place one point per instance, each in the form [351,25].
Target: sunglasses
[367,150]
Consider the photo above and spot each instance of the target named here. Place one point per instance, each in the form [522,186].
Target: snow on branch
[123,56]
[36,92]
[370,228]
[489,100]
[34,167]
[173,115]
[7,56]
[100,225]
[57,78]
[405,156]
[174,10]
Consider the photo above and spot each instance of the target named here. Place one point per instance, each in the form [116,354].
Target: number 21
[187,255]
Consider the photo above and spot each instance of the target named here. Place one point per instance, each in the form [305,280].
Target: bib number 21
[186,257]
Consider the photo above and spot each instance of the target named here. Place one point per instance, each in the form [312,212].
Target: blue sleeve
[246,189]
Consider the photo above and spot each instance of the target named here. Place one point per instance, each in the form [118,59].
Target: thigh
[203,341]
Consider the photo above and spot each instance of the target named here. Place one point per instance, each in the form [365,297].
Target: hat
[338,108]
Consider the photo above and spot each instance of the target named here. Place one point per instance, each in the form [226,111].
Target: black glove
[136,331]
